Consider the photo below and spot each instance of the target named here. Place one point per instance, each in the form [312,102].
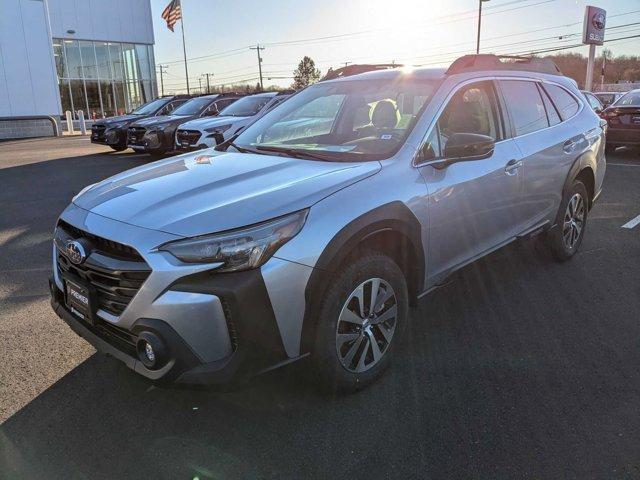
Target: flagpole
[184,50]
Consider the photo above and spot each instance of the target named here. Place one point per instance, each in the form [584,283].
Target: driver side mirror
[212,111]
[462,147]
[469,146]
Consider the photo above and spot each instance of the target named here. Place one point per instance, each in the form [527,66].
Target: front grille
[116,271]
[188,137]
[106,246]
[97,132]
[135,134]
[121,338]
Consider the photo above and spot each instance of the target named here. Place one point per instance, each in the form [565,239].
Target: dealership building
[70,55]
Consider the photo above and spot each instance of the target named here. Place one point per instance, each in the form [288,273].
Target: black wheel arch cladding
[391,218]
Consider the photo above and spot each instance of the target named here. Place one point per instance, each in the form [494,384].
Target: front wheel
[360,322]
[118,148]
[565,238]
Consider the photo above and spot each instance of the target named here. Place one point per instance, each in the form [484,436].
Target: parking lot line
[632,223]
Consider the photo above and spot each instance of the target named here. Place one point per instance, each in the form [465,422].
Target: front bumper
[216,327]
[112,137]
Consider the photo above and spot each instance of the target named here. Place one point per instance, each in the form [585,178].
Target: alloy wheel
[366,325]
[573,221]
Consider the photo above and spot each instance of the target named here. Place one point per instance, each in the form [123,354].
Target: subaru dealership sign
[593,27]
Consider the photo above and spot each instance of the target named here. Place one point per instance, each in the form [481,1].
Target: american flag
[172,13]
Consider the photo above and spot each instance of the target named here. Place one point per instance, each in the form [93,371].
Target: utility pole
[480,2]
[200,82]
[208,84]
[162,68]
[258,48]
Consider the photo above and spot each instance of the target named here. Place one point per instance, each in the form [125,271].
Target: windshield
[345,120]
[195,106]
[245,107]
[151,107]
[631,98]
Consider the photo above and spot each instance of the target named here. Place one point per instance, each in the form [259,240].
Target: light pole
[480,2]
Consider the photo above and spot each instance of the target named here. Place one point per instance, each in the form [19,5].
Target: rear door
[547,142]
[473,205]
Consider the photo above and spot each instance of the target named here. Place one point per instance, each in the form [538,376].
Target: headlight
[220,129]
[240,249]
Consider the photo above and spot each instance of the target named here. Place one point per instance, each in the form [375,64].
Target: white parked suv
[209,132]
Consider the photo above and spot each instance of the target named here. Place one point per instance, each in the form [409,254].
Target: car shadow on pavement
[483,385]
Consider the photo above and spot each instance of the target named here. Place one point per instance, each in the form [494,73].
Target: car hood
[161,121]
[202,123]
[211,191]
[121,118]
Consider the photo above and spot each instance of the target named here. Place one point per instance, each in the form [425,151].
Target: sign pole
[590,66]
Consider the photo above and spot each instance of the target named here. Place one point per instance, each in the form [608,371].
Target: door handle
[512,166]
[569,146]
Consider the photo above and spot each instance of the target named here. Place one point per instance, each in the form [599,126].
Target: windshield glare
[149,108]
[194,106]
[245,107]
[345,120]
[631,98]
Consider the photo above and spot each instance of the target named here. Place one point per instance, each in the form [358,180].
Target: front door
[474,205]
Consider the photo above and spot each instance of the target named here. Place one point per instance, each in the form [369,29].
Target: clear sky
[418,32]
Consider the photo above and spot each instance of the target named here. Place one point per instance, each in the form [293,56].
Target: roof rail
[473,63]
[349,70]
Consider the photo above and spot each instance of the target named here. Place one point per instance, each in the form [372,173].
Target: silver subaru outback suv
[314,230]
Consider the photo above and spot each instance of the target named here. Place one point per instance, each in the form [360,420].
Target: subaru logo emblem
[75,252]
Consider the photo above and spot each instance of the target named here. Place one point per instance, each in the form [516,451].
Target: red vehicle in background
[623,118]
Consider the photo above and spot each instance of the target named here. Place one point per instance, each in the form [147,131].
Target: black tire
[118,148]
[366,266]
[610,149]
[556,237]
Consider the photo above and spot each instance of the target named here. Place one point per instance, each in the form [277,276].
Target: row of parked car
[183,123]
[621,110]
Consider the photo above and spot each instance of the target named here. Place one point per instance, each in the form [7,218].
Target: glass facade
[104,78]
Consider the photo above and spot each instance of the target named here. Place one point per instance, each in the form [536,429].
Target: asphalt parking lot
[519,368]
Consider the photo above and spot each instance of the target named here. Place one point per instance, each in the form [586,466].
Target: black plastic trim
[394,217]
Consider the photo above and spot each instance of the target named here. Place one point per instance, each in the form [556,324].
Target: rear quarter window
[566,104]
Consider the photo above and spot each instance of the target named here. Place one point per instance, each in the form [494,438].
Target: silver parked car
[298,238]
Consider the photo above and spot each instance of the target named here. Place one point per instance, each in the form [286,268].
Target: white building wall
[28,82]
[127,21]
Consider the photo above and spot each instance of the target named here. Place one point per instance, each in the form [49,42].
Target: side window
[552,113]
[225,103]
[472,109]
[567,105]
[170,107]
[593,101]
[525,105]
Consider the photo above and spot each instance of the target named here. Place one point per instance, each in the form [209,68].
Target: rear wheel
[565,239]
[360,322]
[118,148]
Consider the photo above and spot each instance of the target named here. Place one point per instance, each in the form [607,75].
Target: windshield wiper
[243,149]
[298,153]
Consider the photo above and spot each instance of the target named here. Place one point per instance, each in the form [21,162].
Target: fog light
[151,350]
[148,350]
